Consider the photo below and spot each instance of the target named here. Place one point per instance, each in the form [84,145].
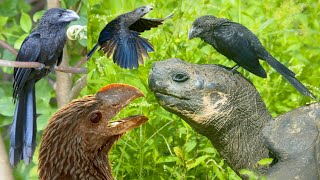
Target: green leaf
[209,150]
[194,163]
[265,161]
[190,145]
[178,151]
[6,106]
[19,41]
[37,16]
[25,22]
[3,20]
[166,159]
[252,175]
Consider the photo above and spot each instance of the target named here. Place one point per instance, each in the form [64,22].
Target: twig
[8,47]
[67,69]
[81,62]
[73,70]
[8,63]
[78,86]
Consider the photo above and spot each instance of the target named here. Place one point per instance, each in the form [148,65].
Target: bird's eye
[115,105]
[95,117]
[180,77]
[60,14]
[142,10]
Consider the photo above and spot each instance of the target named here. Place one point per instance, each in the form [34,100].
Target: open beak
[120,95]
[69,16]
[123,125]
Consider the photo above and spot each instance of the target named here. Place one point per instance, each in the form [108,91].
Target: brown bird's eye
[95,117]
[115,105]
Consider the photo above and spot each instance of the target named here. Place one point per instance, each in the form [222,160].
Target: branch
[81,62]
[73,70]
[78,86]
[36,65]
[8,47]
[7,63]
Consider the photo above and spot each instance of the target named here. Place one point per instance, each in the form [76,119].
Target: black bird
[44,45]
[121,37]
[239,44]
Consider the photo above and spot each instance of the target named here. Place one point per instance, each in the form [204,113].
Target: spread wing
[29,52]
[128,49]
[144,24]
[109,31]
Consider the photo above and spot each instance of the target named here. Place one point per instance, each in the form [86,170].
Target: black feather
[48,51]
[239,44]
[122,38]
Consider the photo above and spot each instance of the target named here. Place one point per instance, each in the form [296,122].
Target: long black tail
[24,127]
[92,51]
[289,75]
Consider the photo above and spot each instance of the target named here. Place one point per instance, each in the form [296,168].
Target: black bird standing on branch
[121,37]
[44,45]
[239,44]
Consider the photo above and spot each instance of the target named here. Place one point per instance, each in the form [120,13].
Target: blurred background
[165,147]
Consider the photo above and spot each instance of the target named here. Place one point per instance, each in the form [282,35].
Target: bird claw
[234,70]
[42,66]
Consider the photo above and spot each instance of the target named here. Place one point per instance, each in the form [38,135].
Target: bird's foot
[42,66]
[233,70]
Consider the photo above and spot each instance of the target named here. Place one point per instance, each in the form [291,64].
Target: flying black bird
[239,44]
[44,45]
[121,37]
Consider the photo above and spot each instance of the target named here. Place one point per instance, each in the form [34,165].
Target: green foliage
[166,147]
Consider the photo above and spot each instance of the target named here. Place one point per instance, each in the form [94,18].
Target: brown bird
[78,138]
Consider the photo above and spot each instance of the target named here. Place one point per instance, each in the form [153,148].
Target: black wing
[144,24]
[128,50]
[231,41]
[29,52]
[109,31]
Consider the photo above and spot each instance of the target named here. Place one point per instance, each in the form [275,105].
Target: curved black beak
[69,16]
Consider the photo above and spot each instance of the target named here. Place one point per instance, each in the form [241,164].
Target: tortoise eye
[95,117]
[180,77]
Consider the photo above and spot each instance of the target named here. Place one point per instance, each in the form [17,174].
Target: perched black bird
[44,45]
[121,37]
[239,44]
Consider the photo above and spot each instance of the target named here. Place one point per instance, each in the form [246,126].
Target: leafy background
[166,147]
[17,19]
